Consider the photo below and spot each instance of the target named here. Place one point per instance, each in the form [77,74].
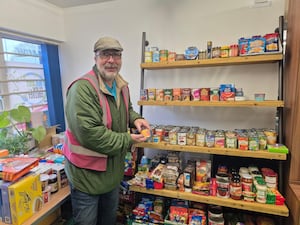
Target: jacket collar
[120,82]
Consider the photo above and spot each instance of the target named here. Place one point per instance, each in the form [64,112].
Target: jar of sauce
[247,182]
[235,188]
[52,182]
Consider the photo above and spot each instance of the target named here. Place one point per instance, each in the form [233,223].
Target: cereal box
[25,198]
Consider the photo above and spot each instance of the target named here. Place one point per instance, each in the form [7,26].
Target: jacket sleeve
[84,116]
[133,115]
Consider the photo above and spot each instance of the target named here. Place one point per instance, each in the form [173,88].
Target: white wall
[169,24]
[34,17]
[175,25]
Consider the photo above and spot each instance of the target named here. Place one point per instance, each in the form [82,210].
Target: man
[99,112]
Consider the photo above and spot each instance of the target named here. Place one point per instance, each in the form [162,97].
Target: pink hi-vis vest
[83,157]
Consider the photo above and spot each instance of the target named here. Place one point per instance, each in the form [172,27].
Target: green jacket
[84,118]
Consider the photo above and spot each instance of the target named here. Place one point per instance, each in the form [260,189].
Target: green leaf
[4,119]
[21,114]
[39,133]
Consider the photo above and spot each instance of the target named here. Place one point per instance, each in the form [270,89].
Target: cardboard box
[47,141]
[25,198]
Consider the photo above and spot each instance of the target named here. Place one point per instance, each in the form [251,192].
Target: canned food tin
[171,56]
[195,94]
[210,139]
[204,94]
[186,94]
[159,94]
[173,135]
[168,94]
[151,94]
[144,95]
[200,137]
[156,138]
[148,56]
[163,55]
[177,94]
[181,136]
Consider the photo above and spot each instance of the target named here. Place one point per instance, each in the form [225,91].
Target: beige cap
[105,43]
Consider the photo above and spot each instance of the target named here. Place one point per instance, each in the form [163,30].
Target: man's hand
[141,124]
[137,138]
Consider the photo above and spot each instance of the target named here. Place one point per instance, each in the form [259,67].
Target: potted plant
[14,139]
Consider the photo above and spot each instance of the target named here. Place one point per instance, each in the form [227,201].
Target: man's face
[109,63]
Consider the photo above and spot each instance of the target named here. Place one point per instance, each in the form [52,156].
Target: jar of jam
[235,188]
[247,182]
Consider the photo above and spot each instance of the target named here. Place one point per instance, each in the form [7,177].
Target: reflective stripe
[77,148]
[96,162]
[83,157]
[106,117]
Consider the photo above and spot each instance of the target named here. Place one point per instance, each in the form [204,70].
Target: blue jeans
[94,209]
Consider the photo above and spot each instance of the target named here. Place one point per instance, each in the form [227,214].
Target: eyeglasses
[107,55]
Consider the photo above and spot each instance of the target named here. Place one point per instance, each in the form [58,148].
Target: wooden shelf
[240,60]
[280,210]
[217,151]
[56,201]
[248,103]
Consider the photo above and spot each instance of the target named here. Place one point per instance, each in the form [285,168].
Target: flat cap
[105,43]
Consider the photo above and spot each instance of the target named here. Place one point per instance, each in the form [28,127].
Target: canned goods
[159,94]
[234,50]
[210,139]
[204,94]
[53,183]
[163,55]
[151,94]
[148,56]
[200,137]
[177,94]
[171,56]
[186,94]
[195,94]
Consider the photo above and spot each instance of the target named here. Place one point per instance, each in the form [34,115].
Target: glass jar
[235,188]
[261,191]
[247,182]
[53,183]
[225,51]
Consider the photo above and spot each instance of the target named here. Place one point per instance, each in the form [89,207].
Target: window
[30,76]
[22,76]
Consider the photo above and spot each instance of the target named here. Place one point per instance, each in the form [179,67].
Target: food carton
[25,198]
[6,215]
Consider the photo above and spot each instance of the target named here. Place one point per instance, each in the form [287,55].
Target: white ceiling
[72,3]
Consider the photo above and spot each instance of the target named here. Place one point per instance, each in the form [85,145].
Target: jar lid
[44,177]
[52,176]
[247,176]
